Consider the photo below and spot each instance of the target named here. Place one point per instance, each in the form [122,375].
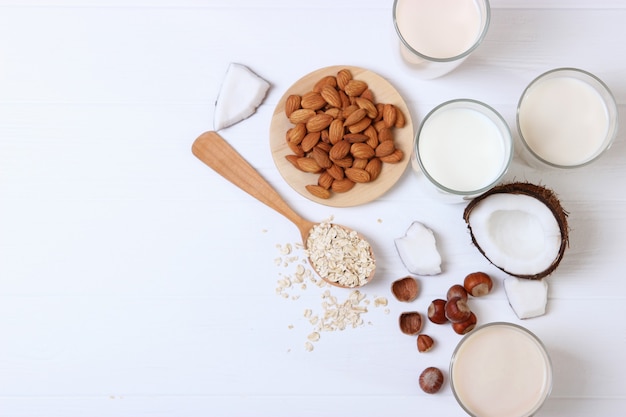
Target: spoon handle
[214,151]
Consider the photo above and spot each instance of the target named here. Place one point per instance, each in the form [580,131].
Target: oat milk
[501,370]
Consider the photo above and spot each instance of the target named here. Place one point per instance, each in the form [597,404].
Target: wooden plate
[384,92]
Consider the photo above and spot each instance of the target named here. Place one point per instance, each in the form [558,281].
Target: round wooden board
[384,92]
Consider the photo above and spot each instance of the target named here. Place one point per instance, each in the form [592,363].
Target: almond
[379,125]
[363,150]
[296,149]
[325,146]
[343,76]
[292,104]
[393,158]
[344,162]
[335,131]
[366,104]
[327,80]
[336,172]
[400,119]
[355,117]
[335,112]
[389,114]
[301,116]
[379,109]
[324,137]
[296,133]
[313,101]
[318,122]
[360,126]
[385,134]
[310,140]
[367,94]
[331,95]
[325,180]
[318,191]
[355,137]
[357,175]
[308,165]
[342,185]
[293,160]
[384,148]
[372,135]
[355,87]
[374,167]
[348,110]
[360,163]
[321,157]
[345,100]
[339,150]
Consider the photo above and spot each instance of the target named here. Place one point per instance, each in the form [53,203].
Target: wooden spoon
[214,151]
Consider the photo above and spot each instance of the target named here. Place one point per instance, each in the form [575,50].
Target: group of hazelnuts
[454,309]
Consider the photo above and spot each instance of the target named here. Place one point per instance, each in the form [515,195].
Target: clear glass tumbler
[438,35]
[463,147]
[501,369]
[566,118]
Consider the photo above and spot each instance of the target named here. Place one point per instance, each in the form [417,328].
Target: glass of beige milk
[437,35]
[463,148]
[566,118]
[501,370]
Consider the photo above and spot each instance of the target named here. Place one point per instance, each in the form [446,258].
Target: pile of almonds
[454,309]
[341,133]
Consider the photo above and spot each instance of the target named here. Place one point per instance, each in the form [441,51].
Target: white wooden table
[136,282]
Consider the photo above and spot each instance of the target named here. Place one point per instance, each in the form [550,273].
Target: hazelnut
[405,289]
[457,290]
[437,311]
[457,310]
[424,343]
[478,284]
[431,380]
[411,322]
[465,326]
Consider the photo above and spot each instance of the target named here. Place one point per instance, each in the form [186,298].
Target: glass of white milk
[501,370]
[566,118]
[437,35]
[463,148]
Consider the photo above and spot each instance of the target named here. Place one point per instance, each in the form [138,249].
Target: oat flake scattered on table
[335,315]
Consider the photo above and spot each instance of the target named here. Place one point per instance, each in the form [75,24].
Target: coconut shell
[541,193]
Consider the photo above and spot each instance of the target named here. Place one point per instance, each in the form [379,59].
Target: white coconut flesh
[418,250]
[516,232]
[242,91]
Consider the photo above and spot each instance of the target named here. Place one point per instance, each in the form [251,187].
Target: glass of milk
[566,118]
[501,370]
[463,148]
[437,35]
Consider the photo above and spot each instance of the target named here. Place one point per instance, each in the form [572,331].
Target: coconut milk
[501,370]
[462,149]
[564,120]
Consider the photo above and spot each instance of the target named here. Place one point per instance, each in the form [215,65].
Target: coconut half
[520,228]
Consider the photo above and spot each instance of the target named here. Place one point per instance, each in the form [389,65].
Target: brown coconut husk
[541,193]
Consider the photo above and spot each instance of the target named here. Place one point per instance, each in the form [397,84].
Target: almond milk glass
[500,370]
[567,118]
[437,35]
[463,148]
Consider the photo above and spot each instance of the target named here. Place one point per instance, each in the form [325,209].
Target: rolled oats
[339,255]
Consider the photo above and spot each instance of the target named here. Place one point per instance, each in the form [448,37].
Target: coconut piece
[520,228]
[242,91]
[528,298]
[418,250]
